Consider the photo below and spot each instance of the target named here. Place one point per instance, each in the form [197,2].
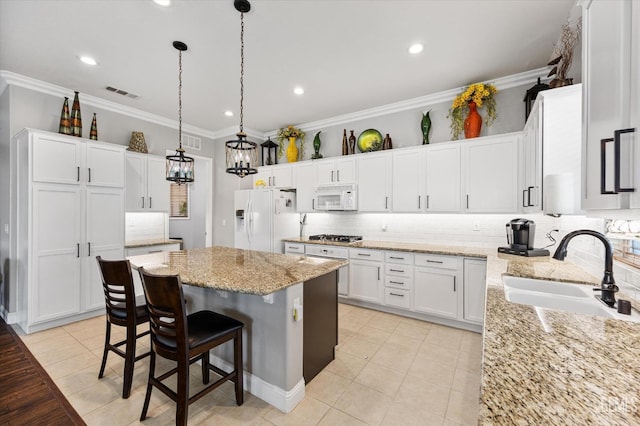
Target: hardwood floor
[28,395]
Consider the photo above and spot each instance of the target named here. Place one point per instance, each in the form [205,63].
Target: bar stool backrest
[119,293]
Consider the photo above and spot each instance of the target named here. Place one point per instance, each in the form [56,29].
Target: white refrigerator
[263,217]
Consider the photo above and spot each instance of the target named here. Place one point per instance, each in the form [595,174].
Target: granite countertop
[542,366]
[237,270]
[150,243]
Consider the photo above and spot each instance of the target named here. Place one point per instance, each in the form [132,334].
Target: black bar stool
[186,339]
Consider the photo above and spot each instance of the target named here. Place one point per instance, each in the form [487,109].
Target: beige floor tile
[360,347]
[117,412]
[386,322]
[411,329]
[103,392]
[363,403]
[87,323]
[394,357]
[249,413]
[30,339]
[462,409]
[447,338]
[346,365]
[81,379]
[446,356]
[380,378]
[338,418]
[402,414]
[432,370]
[410,344]
[417,395]
[58,343]
[470,361]
[373,335]
[308,412]
[466,382]
[344,335]
[471,342]
[351,324]
[72,351]
[71,365]
[327,387]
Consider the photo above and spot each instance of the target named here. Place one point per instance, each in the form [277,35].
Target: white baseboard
[8,317]
[283,400]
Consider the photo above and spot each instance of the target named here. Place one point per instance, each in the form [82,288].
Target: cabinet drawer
[398,257]
[398,298]
[293,248]
[436,261]
[365,254]
[398,282]
[398,270]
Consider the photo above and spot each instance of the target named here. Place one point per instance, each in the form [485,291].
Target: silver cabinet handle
[89,170]
[150,202]
[155,251]
[273,180]
[89,249]
[396,282]
[77,249]
[364,254]
[434,261]
[396,257]
[78,178]
[427,201]
[378,273]
[419,200]
[331,175]
[396,294]
[454,283]
[338,176]
[143,202]
[313,204]
[386,202]
[467,200]
[396,270]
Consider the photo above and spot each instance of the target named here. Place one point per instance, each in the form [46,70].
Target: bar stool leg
[129,360]
[182,411]
[205,368]
[237,362]
[107,340]
[147,398]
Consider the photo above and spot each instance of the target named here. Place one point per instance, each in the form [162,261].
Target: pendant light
[242,155]
[180,166]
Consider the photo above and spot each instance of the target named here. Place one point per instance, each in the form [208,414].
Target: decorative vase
[93,133]
[387,143]
[425,124]
[292,150]
[352,143]
[316,146]
[65,123]
[473,122]
[345,144]
[76,119]
[137,143]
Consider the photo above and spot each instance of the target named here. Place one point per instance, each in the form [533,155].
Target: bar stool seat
[186,339]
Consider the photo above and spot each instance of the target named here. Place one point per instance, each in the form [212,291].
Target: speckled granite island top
[541,366]
[236,270]
[151,243]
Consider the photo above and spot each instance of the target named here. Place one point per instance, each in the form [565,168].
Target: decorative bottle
[425,125]
[387,143]
[352,143]
[76,119]
[65,124]
[93,133]
[345,146]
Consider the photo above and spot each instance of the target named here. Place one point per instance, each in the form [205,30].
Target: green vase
[426,127]
[316,147]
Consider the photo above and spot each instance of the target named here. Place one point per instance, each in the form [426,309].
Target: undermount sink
[576,298]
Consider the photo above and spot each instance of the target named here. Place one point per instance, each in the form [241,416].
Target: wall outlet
[476,225]
[383,227]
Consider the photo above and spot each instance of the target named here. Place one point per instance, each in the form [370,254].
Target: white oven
[332,252]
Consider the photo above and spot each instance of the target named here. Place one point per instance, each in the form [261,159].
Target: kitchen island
[286,303]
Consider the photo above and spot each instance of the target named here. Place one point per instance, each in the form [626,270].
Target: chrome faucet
[303,222]
[608,285]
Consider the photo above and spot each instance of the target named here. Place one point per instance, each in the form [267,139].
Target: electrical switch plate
[476,226]
[297,311]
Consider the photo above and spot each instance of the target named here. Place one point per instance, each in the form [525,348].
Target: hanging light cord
[180,99]
[241,72]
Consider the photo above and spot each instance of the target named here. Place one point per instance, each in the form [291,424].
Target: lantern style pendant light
[242,155]
[180,166]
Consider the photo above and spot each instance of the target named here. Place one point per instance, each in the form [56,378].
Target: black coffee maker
[520,237]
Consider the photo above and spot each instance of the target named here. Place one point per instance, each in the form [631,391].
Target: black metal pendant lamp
[241,154]
[179,166]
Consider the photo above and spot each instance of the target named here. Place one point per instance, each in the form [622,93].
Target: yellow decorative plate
[370,140]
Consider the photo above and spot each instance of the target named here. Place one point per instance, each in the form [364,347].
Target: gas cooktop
[336,238]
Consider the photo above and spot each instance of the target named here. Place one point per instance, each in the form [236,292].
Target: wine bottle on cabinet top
[345,146]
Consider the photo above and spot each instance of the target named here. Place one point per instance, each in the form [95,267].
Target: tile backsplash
[146,226]
[487,231]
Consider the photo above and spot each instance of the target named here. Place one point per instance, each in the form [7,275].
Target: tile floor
[388,370]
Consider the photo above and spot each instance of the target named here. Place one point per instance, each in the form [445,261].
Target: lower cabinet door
[475,272]
[365,280]
[436,292]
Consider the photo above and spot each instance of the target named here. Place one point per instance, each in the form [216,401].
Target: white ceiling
[349,55]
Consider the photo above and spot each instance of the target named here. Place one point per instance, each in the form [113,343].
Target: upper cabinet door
[345,170]
[56,159]
[442,177]
[157,184]
[282,176]
[491,175]
[374,183]
[607,58]
[105,165]
[305,182]
[407,181]
[136,178]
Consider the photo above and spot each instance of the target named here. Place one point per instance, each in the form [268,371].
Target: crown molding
[501,83]
[232,131]
[8,78]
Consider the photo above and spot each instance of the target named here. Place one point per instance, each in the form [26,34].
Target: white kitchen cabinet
[408,180]
[475,273]
[341,170]
[442,178]
[276,176]
[610,74]
[374,182]
[137,251]
[398,279]
[436,286]
[306,180]
[366,275]
[63,226]
[490,174]
[147,188]
[293,248]
[531,164]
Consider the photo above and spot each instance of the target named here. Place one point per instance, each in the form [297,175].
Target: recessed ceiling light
[228,113]
[164,3]
[416,48]
[88,60]
[298,90]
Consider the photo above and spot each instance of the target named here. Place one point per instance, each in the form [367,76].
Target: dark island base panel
[320,323]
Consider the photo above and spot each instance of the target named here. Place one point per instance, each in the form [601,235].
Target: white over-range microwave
[336,198]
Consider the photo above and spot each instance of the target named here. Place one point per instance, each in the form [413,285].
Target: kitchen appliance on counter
[263,217]
[520,237]
[336,238]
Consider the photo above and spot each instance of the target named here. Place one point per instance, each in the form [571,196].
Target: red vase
[473,122]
